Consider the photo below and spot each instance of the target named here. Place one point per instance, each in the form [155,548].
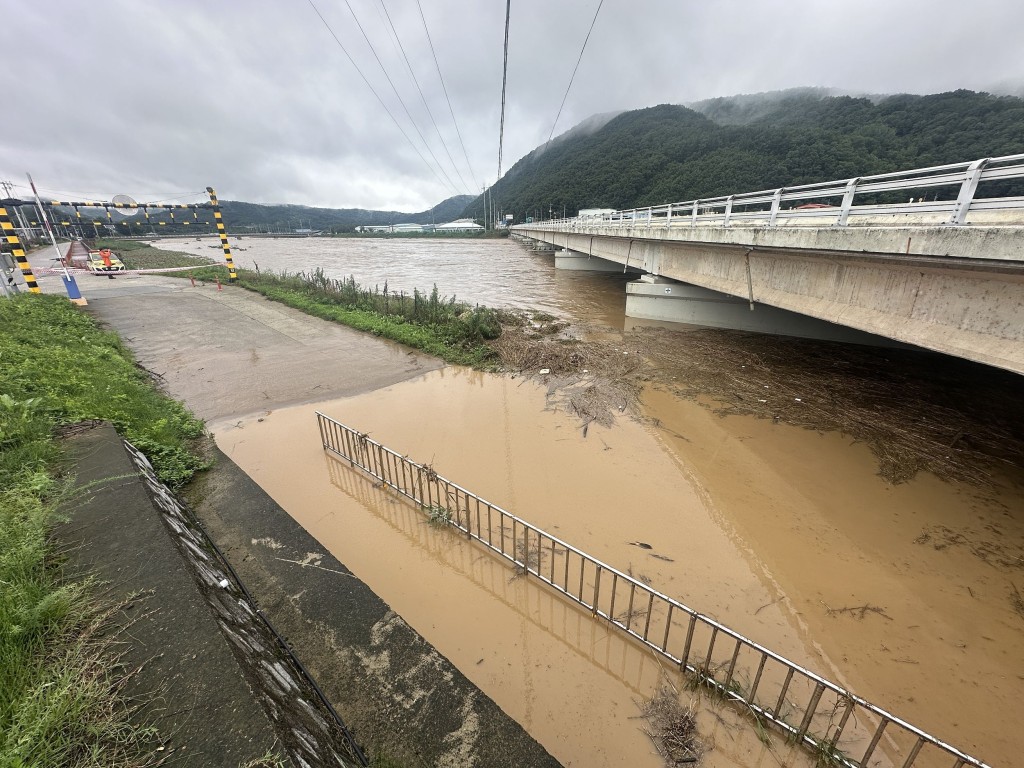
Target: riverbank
[62,697]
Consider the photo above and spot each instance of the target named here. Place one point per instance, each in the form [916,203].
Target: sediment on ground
[917,411]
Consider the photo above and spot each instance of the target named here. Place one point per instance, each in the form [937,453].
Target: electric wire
[504,82]
[401,101]
[419,90]
[458,133]
[84,198]
[573,77]
[374,91]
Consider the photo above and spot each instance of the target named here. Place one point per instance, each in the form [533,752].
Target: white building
[459,225]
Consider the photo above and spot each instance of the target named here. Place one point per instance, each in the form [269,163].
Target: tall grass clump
[54,356]
[59,703]
[453,330]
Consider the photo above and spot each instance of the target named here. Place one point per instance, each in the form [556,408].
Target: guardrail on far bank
[839,726]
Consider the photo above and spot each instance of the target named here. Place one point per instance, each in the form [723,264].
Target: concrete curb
[192,690]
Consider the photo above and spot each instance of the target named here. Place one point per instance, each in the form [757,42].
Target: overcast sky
[254,97]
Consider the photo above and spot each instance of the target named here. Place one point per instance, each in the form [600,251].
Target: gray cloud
[255,97]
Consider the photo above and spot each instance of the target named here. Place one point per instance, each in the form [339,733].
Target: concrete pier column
[659,298]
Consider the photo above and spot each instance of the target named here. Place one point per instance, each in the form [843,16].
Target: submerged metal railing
[835,202]
[842,728]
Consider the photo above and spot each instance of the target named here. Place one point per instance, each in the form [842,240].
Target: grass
[438,516]
[441,326]
[57,366]
[59,682]
[136,255]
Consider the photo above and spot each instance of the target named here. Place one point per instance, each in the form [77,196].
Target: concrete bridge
[840,260]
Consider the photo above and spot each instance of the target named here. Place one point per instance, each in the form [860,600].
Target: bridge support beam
[574,260]
[965,300]
[663,299]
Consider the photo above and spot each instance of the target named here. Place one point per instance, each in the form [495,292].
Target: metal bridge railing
[837,200]
[842,728]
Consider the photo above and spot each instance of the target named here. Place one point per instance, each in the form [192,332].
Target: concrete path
[229,352]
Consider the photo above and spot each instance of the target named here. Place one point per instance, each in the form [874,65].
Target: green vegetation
[54,357]
[670,153]
[441,326]
[136,255]
[59,685]
[59,700]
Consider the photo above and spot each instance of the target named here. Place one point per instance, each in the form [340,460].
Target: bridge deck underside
[959,306]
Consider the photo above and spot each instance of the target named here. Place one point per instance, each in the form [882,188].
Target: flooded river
[908,594]
[497,273]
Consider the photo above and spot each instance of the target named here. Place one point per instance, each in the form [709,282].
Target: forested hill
[672,153]
[240,215]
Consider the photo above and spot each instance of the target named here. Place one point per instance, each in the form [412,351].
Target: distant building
[392,228]
[459,225]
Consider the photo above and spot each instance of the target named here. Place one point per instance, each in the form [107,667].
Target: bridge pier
[660,298]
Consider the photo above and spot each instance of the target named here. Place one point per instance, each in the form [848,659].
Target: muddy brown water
[497,273]
[904,593]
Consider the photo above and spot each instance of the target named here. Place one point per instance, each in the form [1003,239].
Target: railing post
[844,210]
[776,203]
[219,221]
[967,190]
[668,216]
[10,234]
[728,210]
[693,216]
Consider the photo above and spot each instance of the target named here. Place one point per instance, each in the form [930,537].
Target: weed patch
[441,326]
[57,367]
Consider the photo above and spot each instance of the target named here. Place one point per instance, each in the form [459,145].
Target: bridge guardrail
[835,200]
[839,726]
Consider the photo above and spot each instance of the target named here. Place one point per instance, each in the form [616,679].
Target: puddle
[572,683]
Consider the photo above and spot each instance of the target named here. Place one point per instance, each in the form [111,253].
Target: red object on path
[193,279]
[218,283]
[105,255]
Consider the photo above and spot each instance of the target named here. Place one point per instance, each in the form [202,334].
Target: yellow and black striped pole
[219,221]
[11,236]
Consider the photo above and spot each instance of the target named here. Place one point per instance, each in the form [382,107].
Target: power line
[374,91]
[419,90]
[578,60]
[373,50]
[504,81]
[445,89]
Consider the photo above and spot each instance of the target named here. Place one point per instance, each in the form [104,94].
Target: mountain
[239,215]
[746,143]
